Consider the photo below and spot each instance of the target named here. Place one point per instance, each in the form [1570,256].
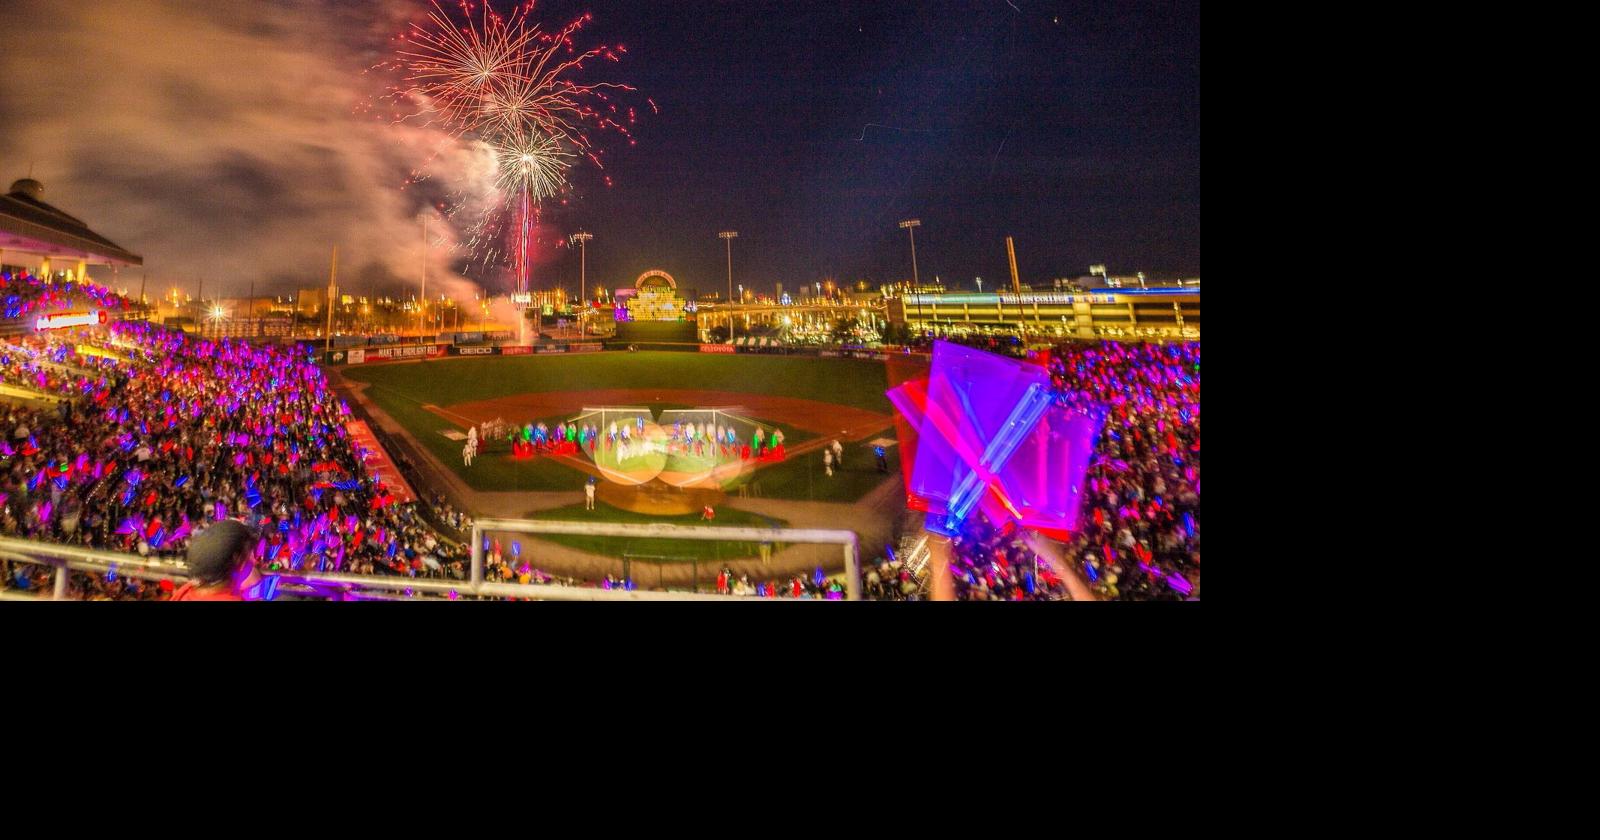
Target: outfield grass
[803,477]
[492,469]
[402,389]
[678,550]
[842,381]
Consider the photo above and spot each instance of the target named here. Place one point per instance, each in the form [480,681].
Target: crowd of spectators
[993,564]
[1138,535]
[1139,532]
[892,580]
[172,432]
[141,435]
[23,295]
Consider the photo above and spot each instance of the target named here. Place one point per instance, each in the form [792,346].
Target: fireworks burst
[502,80]
[458,71]
[533,165]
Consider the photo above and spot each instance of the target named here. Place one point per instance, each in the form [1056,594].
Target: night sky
[226,143]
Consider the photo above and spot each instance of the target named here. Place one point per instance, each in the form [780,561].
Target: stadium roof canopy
[31,227]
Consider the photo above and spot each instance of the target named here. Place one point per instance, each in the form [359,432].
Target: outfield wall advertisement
[362,355]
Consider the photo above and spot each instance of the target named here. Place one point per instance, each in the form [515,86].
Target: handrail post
[941,585]
[477,556]
[852,571]
[60,593]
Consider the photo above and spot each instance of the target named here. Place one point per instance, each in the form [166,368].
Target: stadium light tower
[216,316]
[728,236]
[583,266]
[422,290]
[910,226]
[333,281]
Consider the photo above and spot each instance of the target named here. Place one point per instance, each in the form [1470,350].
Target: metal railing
[68,559]
[846,540]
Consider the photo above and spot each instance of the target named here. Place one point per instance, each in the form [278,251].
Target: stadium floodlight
[910,226]
[582,238]
[216,316]
[728,236]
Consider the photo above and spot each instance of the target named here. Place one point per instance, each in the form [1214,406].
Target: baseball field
[814,401]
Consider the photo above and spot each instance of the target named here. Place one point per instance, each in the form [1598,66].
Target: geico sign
[475,351]
[69,319]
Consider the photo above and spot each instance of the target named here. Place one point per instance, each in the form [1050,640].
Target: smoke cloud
[232,140]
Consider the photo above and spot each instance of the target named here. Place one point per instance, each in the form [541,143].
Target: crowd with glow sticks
[23,295]
[186,432]
[157,434]
[1139,534]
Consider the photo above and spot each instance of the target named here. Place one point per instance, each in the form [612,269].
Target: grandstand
[120,440]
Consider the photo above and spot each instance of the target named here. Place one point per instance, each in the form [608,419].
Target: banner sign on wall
[420,351]
[62,320]
[361,355]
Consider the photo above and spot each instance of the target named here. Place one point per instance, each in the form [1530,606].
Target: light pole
[583,267]
[422,292]
[728,236]
[333,280]
[910,226]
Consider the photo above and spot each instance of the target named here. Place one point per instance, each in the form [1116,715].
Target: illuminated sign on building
[62,320]
[656,298]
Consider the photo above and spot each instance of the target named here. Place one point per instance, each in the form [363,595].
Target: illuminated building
[655,298]
[1159,312]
